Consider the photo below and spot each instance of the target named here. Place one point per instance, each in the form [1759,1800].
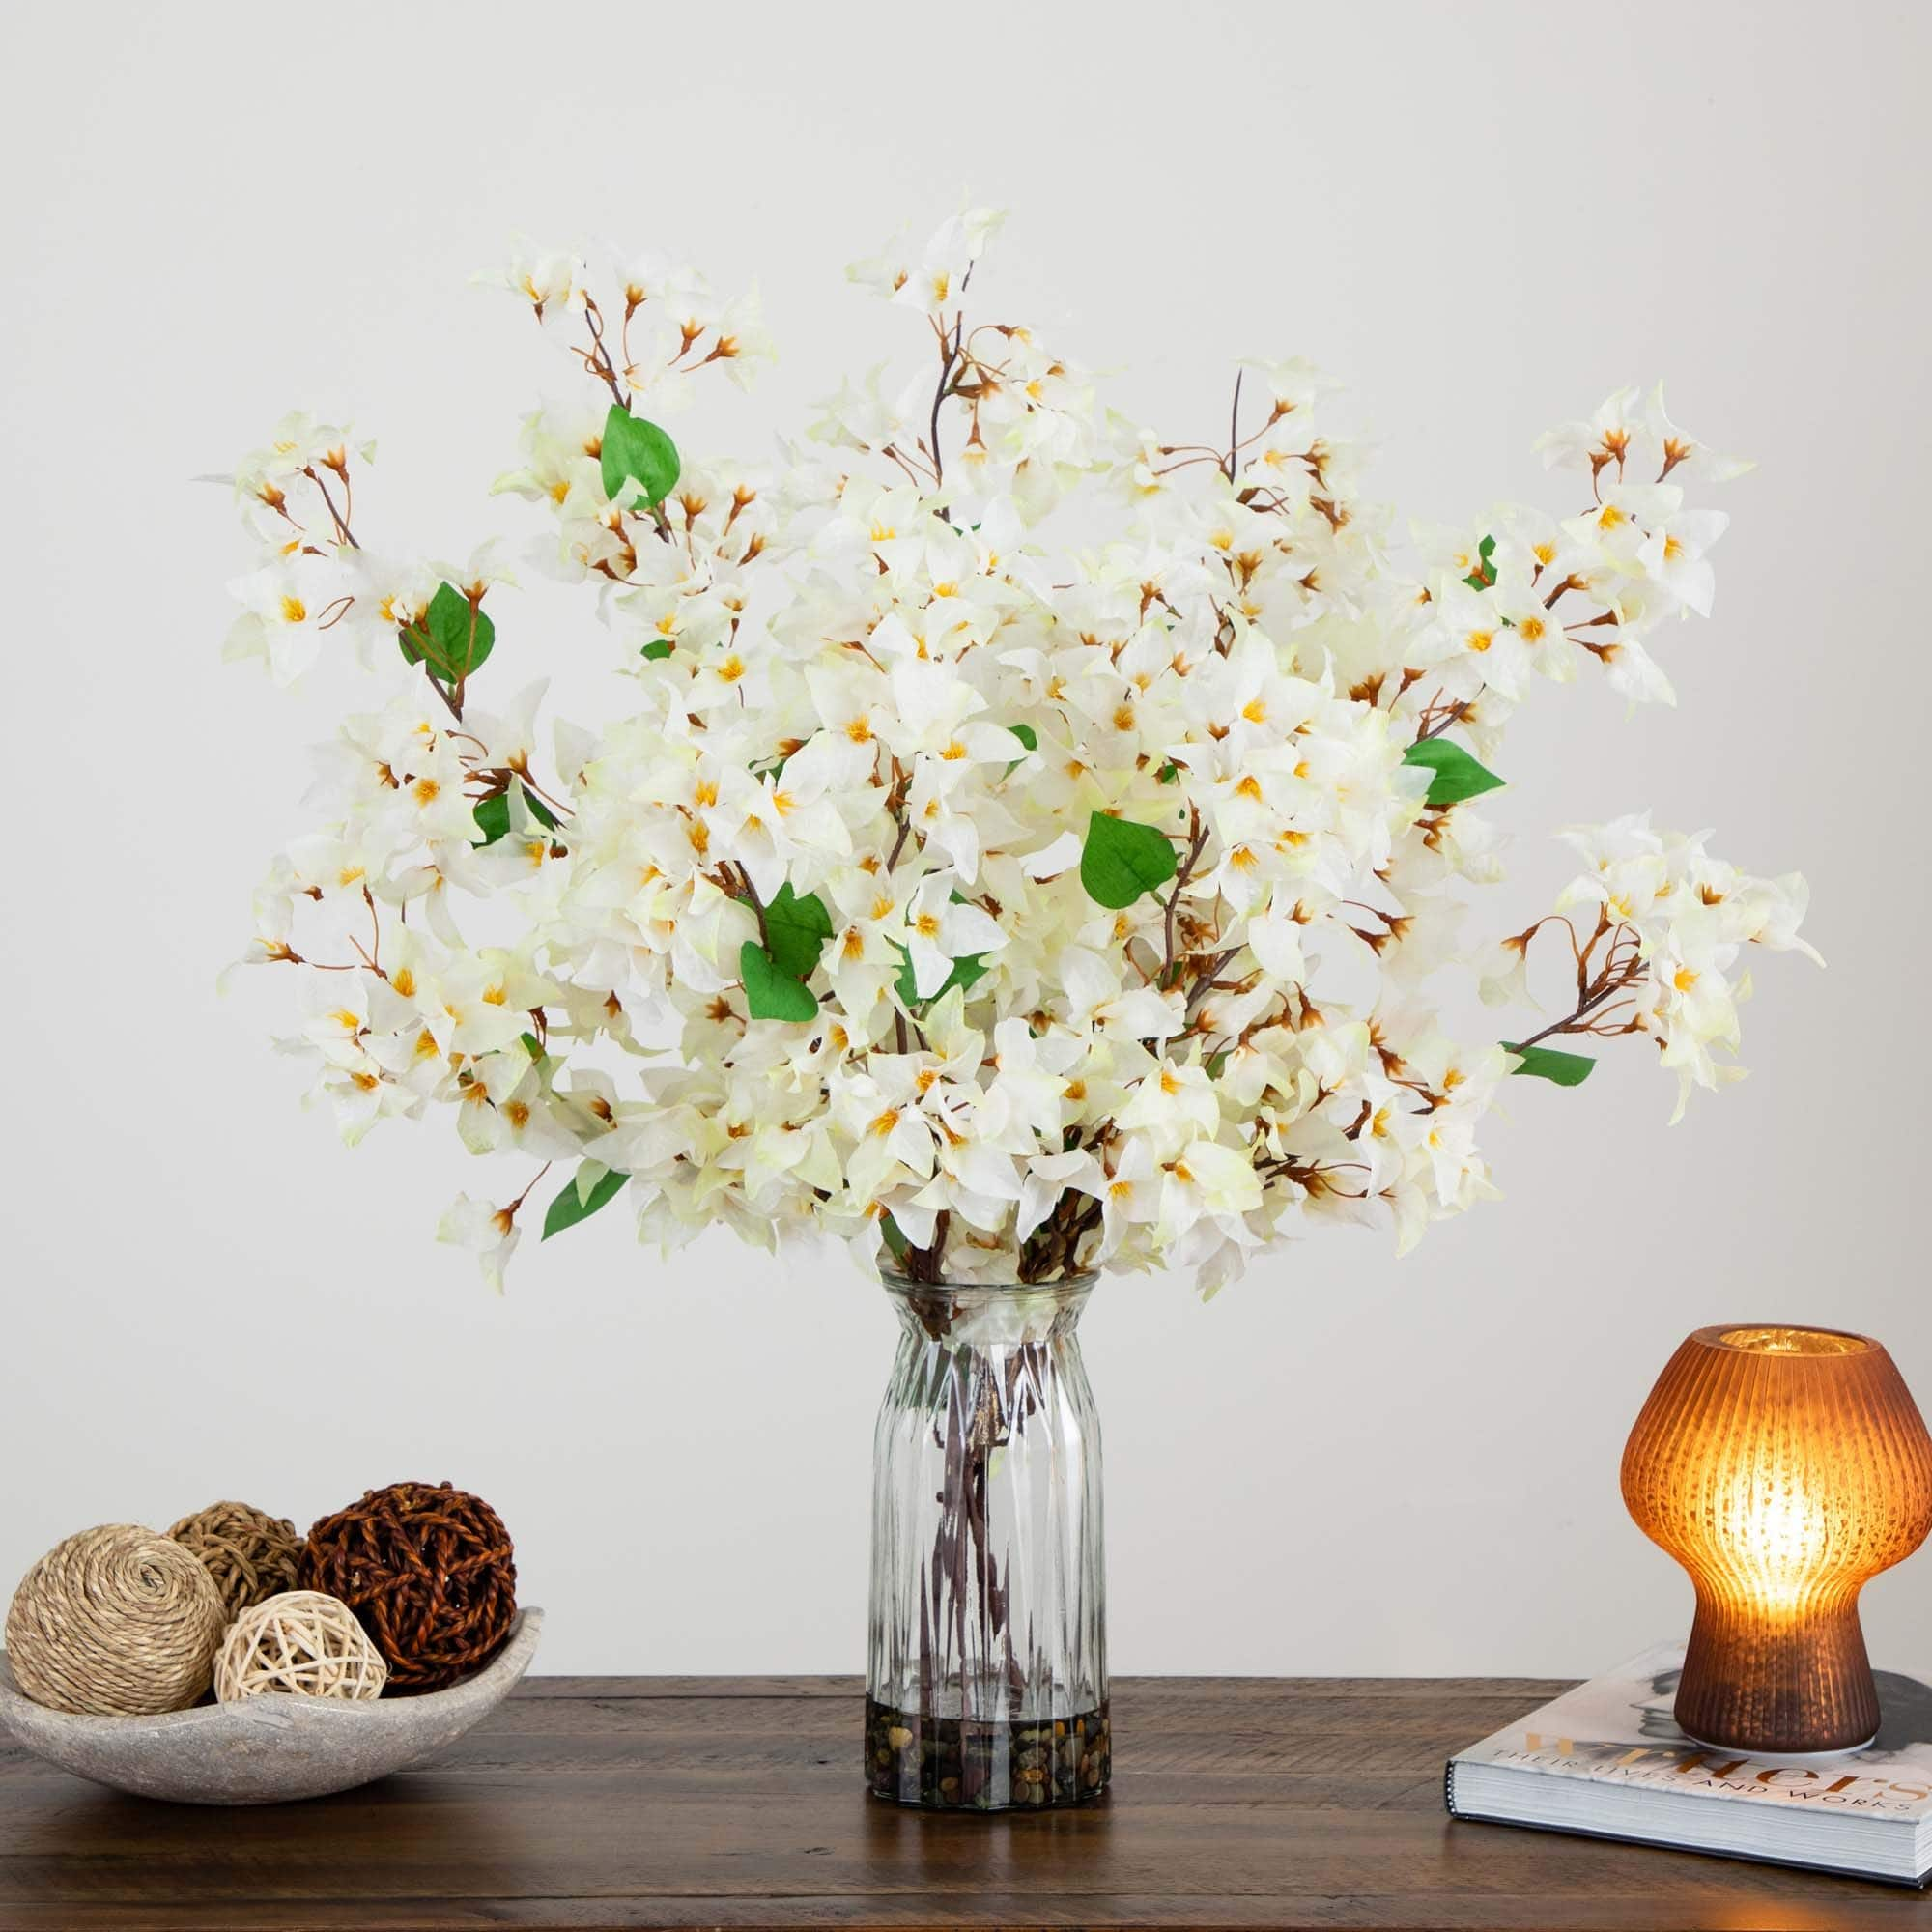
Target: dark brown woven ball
[430,1572]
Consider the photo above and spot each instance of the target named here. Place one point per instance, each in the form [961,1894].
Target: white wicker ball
[300,1642]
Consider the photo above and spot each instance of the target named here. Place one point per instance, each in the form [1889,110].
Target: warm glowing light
[1784,1467]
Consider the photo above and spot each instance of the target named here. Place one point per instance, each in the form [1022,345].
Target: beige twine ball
[115,1621]
[252,1554]
[301,1642]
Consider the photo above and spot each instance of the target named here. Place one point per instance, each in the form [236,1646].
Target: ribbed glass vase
[986,1685]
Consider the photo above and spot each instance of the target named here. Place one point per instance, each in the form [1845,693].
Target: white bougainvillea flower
[1674,555]
[1603,440]
[550,282]
[1681,454]
[937,279]
[941,929]
[285,604]
[491,1232]
[1004,893]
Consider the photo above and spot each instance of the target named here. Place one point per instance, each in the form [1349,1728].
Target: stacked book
[1607,1760]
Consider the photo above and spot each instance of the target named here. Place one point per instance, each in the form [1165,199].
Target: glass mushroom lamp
[1783,1468]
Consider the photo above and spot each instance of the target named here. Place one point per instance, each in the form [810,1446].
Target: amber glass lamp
[1783,1468]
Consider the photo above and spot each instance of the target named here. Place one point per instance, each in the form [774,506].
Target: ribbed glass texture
[1783,1468]
[987,1675]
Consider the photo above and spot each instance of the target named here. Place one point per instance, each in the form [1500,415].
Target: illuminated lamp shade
[1783,1468]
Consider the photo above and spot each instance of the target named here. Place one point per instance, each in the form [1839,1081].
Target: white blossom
[1004,896]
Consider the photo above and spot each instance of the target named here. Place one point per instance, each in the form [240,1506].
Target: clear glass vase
[986,1685]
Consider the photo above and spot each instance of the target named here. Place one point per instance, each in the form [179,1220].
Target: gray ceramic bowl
[264,1750]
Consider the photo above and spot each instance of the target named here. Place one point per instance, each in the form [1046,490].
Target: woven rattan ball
[115,1621]
[430,1572]
[250,1554]
[300,1641]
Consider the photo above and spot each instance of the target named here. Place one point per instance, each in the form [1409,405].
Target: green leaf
[640,451]
[1123,859]
[569,1208]
[1216,1063]
[772,995]
[1545,1063]
[796,930]
[493,814]
[533,1045]
[895,1235]
[1457,775]
[964,973]
[492,818]
[1482,576]
[659,648]
[1168,774]
[454,640]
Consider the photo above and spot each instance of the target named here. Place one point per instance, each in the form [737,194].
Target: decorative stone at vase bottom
[986,1685]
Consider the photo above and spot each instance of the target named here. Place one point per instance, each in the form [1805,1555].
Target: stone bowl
[262,1750]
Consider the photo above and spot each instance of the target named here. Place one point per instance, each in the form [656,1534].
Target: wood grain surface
[610,1802]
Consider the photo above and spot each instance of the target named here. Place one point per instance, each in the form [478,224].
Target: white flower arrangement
[950,887]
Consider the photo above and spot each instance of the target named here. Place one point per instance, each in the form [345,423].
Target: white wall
[1484,218]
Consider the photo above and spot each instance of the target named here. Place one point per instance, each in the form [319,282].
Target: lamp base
[1798,1760]
[1793,1684]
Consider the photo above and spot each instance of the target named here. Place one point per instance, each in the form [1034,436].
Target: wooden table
[612,1802]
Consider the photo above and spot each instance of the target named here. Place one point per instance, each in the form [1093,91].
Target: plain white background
[1481,218]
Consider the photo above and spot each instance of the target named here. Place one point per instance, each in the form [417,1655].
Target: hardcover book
[1607,1760]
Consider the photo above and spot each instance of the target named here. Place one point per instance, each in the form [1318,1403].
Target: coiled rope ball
[115,1622]
[299,1642]
[428,1569]
[250,1554]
